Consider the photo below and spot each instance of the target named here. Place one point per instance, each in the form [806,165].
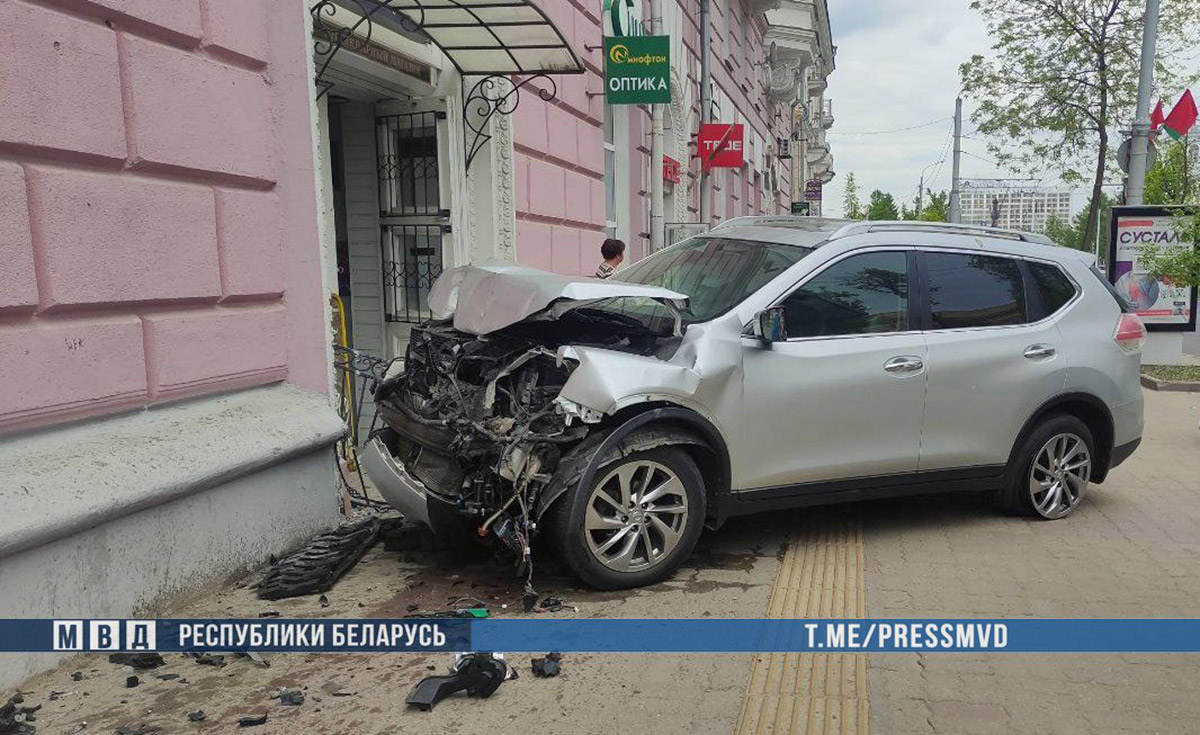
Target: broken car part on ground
[479,674]
[500,411]
[323,560]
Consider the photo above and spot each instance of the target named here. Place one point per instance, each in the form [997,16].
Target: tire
[604,540]
[1052,469]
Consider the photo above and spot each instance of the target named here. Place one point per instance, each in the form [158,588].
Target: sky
[897,67]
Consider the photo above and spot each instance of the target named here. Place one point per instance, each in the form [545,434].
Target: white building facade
[1013,205]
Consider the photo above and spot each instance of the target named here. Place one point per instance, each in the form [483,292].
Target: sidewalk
[1132,550]
[363,694]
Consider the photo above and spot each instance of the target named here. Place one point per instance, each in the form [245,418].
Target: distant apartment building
[1013,205]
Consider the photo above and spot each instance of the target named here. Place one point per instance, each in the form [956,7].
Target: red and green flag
[1182,118]
[1157,118]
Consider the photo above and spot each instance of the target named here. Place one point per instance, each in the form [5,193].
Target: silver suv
[770,363]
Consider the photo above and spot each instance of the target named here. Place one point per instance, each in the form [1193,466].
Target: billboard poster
[1161,305]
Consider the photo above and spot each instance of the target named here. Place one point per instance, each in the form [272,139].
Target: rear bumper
[404,492]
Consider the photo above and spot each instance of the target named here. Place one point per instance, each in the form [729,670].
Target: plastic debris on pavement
[17,719]
[550,666]
[478,674]
[322,562]
[293,697]
[145,660]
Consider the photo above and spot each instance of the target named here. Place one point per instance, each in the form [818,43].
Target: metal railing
[412,261]
[408,165]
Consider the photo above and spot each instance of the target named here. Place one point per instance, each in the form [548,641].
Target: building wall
[559,144]
[739,55]
[1020,208]
[559,154]
[158,217]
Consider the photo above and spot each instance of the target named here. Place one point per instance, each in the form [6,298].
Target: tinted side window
[1054,288]
[863,294]
[974,291]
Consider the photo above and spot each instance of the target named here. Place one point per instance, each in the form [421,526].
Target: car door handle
[1040,352]
[904,365]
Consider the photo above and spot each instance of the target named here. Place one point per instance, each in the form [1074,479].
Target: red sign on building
[722,145]
[672,170]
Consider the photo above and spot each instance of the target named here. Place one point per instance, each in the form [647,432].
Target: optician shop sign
[637,70]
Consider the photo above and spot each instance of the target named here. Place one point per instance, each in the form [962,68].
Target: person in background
[613,252]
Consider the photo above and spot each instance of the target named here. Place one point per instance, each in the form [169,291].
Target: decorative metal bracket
[328,40]
[496,94]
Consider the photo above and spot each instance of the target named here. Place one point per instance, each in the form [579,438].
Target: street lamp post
[1141,119]
[658,227]
[921,189]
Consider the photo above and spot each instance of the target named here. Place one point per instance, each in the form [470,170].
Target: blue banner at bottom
[1034,635]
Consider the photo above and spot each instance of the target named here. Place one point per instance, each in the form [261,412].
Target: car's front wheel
[1053,470]
[636,523]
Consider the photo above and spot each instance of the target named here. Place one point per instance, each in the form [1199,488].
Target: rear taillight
[1131,333]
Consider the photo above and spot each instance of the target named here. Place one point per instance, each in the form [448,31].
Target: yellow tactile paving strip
[821,576]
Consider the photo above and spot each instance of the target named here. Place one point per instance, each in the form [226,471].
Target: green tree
[882,206]
[851,207]
[1063,233]
[938,207]
[907,212]
[1181,265]
[1061,75]
[1173,180]
[1072,234]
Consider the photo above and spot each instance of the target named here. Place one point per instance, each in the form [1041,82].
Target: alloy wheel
[1059,475]
[635,516]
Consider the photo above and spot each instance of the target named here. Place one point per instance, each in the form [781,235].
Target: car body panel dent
[485,299]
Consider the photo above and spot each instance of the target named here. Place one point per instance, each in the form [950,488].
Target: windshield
[715,273]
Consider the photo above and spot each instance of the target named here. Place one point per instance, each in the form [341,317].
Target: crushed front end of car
[476,429]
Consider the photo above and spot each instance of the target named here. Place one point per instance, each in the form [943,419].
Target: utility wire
[889,132]
[981,158]
[942,159]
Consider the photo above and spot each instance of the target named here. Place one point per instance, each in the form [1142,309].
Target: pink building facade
[163,301]
[155,248]
[423,181]
[185,184]
[583,167]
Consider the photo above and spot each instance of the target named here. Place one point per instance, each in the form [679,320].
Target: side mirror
[770,325]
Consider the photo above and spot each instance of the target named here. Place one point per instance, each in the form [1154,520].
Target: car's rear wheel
[1054,469]
[636,523]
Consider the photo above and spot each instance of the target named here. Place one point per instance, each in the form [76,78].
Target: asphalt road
[1133,550]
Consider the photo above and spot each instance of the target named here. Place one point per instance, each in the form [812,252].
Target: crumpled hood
[486,298]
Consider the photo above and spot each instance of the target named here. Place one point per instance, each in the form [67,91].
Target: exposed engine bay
[477,420]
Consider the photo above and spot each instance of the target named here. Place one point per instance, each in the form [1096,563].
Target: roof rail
[858,228]
[780,220]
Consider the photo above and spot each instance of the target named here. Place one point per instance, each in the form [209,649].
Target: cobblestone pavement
[1132,550]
